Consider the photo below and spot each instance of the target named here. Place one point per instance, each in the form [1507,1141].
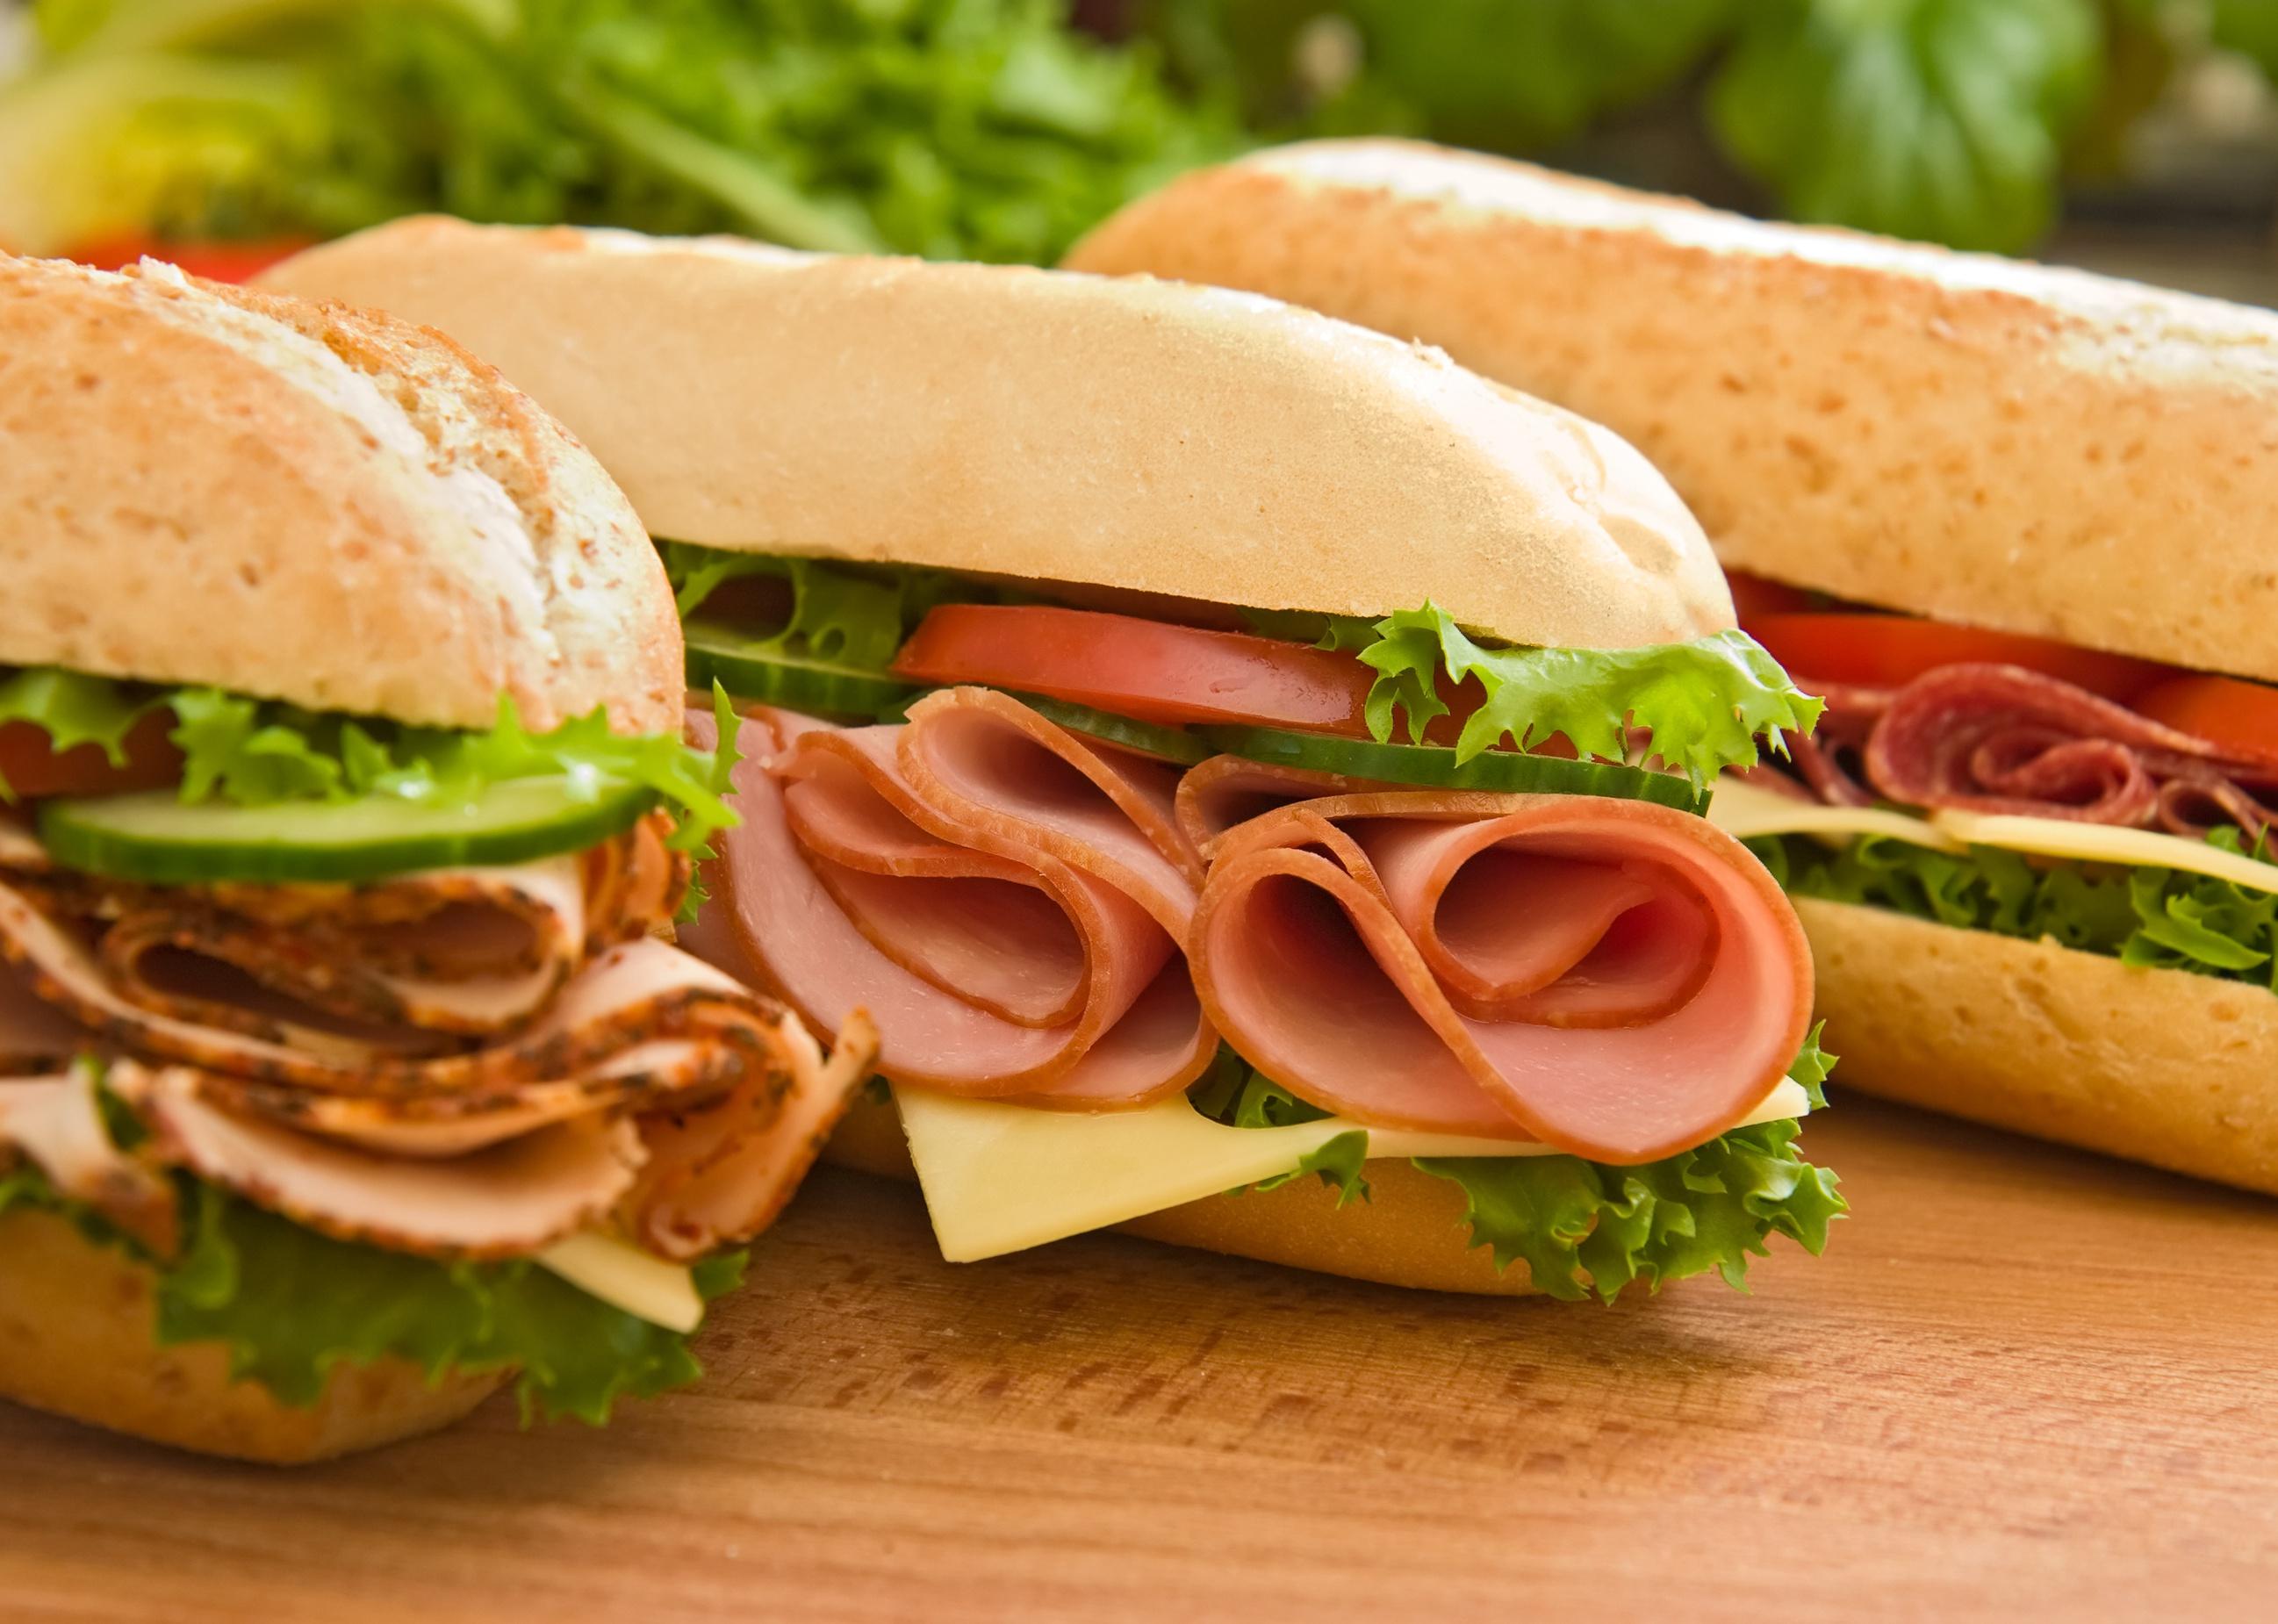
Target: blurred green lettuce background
[1000,129]
[977,128]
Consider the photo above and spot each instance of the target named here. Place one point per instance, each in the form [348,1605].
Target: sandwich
[350,1071]
[1243,764]
[2012,522]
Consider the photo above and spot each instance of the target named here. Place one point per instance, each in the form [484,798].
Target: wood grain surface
[2023,1380]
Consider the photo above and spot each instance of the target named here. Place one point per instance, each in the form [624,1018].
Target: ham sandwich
[1040,918]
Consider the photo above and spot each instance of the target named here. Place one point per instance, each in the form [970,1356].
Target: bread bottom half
[2164,1067]
[1410,1232]
[75,1338]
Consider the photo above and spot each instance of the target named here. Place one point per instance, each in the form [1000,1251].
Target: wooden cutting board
[2023,1380]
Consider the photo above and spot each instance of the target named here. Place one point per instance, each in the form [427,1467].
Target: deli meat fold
[1030,915]
[2000,738]
[1006,902]
[470,1063]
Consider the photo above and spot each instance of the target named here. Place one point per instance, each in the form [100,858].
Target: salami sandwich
[2012,522]
[349,1071]
[1241,763]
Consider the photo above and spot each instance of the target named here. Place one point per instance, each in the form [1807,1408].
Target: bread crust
[1410,1232]
[311,503]
[1985,442]
[2158,1066]
[75,1338]
[1033,424]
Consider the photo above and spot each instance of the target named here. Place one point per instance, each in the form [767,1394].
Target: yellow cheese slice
[999,1178]
[1742,810]
[646,1287]
[2133,849]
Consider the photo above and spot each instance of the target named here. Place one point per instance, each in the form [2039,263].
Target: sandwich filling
[1122,867]
[370,1040]
[2018,784]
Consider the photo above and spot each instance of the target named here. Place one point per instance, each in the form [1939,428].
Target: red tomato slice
[1140,668]
[1753,596]
[1888,651]
[32,768]
[216,262]
[2241,718]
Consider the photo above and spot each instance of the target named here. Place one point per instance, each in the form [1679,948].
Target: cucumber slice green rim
[752,671]
[153,837]
[1175,745]
[1504,772]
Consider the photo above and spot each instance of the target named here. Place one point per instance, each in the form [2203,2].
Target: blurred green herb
[975,128]
[2248,27]
[1954,120]
[1936,119]
[1509,74]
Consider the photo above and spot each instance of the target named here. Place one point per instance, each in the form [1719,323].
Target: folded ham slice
[1613,978]
[1006,899]
[1227,790]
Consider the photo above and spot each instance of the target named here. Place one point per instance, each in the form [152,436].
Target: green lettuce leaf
[840,614]
[1812,1066]
[1584,1226]
[1704,703]
[423,764]
[1337,1164]
[1234,1092]
[1581,1227]
[1941,120]
[258,752]
[292,1304]
[2161,918]
[74,710]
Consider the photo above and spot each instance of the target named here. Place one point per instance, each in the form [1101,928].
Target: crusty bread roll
[305,502]
[1410,1232]
[1033,424]
[75,1338]
[2158,1066]
[1969,438]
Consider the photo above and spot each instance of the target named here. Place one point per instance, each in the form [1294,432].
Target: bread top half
[308,502]
[1125,432]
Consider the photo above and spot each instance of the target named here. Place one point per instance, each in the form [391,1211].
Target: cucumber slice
[154,837]
[750,670]
[1175,745]
[1504,772]
[1164,744]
